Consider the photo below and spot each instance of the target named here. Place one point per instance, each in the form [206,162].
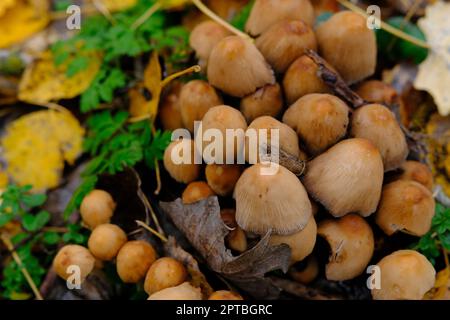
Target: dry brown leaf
[201,224]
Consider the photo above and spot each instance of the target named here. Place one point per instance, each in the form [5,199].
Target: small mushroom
[184,291]
[73,255]
[266,13]
[405,206]
[405,275]
[287,138]
[221,119]
[301,79]
[284,42]
[301,242]
[196,98]
[276,202]
[196,191]
[164,273]
[222,177]
[184,169]
[267,101]
[320,120]
[348,45]
[97,208]
[204,37]
[169,110]
[236,239]
[134,259]
[352,244]
[106,240]
[417,171]
[378,124]
[348,177]
[236,67]
[376,91]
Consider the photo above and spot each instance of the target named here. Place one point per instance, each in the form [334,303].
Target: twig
[147,14]
[181,73]
[386,27]
[158,178]
[148,228]
[199,4]
[24,271]
[100,6]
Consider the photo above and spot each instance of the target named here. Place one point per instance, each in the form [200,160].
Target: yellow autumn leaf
[5,5]
[21,20]
[441,287]
[43,81]
[434,73]
[171,4]
[36,146]
[118,5]
[144,98]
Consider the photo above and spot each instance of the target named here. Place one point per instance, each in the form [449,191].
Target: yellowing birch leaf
[144,98]
[21,20]
[5,5]
[440,291]
[118,5]
[434,72]
[42,81]
[36,146]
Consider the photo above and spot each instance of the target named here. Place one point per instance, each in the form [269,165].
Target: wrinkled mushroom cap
[205,36]
[267,101]
[237,68]
[222,177]
[405,275]
[417,171]
[184,291]
[348,177]
[320,120]
[348,45]
[276,202]
[284,42]
[352,245]
[301,242]
[182,172]
[378,124]
[196,98]
[405,206]
[301,79]
[266,13]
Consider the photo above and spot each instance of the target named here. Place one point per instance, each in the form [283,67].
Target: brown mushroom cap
[204,37]
[417,171]
[284,42]
[301,242]
[378,124]
[352,245]
[169,110]
[97,208]
[222,177]
[164,273]
[196,191]
[196,98]
[184,291]
[106,240]
[405,275]
[266,13]
[222,118]
[224,295]
[301,79]
[134,259]
[348,45]
[405,206]
[376,91]
[288,139]
[276,202]
[182,172]
[73,255]
[348,177]
[320,120]
[237,68]
[267,101]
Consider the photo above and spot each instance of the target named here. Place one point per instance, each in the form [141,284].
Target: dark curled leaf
[201,224]
[335,81]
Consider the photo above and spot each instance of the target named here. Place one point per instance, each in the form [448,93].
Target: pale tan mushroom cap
[417,171]
[301,243]
[205,36]
[276,202]
[284,42]
[73,255]
[184,291]
[352,245]
[405,206]
[348,45]
[184,172]
[222,178]
[237,68]
[405,275]
[378,124]
[266,13]
[267,101]
[97,208]
[346,178]
[320,120]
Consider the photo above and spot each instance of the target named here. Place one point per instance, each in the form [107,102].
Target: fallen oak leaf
[201,224]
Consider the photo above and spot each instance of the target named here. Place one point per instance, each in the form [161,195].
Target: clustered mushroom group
[348,151]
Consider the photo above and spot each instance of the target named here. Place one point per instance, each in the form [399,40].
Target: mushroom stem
[181,73]
[205,10]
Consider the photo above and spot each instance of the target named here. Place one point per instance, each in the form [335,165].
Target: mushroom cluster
[163,278]
[272,83]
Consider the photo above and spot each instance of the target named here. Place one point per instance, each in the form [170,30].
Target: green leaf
[240,19]
[35,222]
[34,200]
[5,218]
[51,238]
